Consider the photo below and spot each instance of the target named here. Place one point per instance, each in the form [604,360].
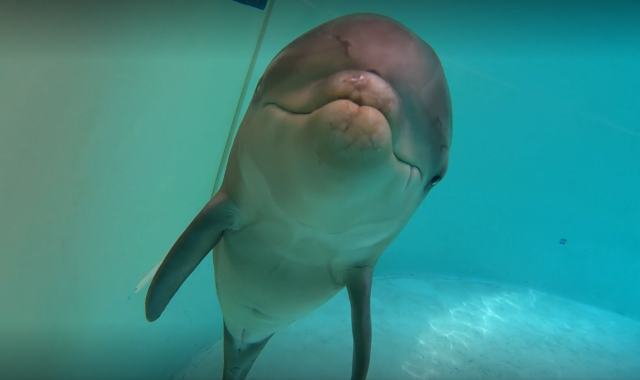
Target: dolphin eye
[435,180]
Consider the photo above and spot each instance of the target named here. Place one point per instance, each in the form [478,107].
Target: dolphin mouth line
[281,108]
[411,166]
[278,106]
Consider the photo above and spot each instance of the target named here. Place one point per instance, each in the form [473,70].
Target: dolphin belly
[261,296]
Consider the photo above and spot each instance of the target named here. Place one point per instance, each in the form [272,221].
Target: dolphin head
[369,60]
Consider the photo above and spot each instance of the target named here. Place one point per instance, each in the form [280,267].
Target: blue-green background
[114,118]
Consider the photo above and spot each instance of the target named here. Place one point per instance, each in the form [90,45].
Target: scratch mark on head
[345,44]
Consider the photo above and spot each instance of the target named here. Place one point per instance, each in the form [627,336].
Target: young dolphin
[348,130]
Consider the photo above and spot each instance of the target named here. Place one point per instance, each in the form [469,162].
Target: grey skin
[348,130]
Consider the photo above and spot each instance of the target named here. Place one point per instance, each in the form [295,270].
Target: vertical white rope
[236,116]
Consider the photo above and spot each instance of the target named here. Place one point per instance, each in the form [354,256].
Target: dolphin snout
[366,89]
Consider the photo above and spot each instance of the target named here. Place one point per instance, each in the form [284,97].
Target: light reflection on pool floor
[438,328]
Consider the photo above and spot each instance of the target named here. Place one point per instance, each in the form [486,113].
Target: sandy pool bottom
[439,328]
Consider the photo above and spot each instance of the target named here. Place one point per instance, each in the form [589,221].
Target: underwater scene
[306,189]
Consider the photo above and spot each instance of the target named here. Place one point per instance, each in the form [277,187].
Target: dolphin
[348,130]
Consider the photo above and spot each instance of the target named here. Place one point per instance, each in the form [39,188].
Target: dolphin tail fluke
[204,232]
[239,358]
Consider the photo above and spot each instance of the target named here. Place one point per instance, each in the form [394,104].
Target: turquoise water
[433,327]
[522,263]
[540,205]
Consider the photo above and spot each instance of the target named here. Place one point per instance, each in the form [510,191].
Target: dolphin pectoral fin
[358,282]
[204,232]
[239,357]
